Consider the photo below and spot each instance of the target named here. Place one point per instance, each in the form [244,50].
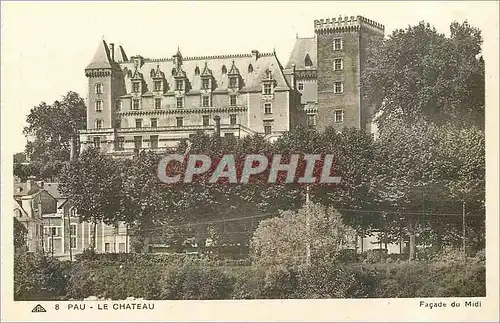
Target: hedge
[46,279]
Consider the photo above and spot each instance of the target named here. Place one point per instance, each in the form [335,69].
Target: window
[300,86]
[121,247]
[98,105]
[232,100]
[337,44]
[138,123]
[205,84]
[53,231]
[98,88]
[135,104]
[180,121]
[206,120]
[157,103]
[153,142]
[232,119]
[137,142]
[97,142]
[180,103]
[267,128]
[158,85]
[98,124]
[121,143]
[179,85]
[339,115]
[205,101]
[107,247]
[136,87]
[338,64]
[338,87]
[73,213]
[118,105]
[311,120]
[268,108]
[250,68]
[154,123]
[197,71]
[307,61]
[233,82]
[118,124]
[267,88]
[224,69]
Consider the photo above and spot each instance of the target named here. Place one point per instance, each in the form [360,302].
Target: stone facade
[141,103]
[328,69]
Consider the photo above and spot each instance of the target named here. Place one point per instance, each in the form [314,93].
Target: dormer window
[179,85]
[308,61]
[197,71]
[224,69]
[205,84]
[98,88]
[250,68]
[268,88]
[158,86]
[136,87]
[233,82]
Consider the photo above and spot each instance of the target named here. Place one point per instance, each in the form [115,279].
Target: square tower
[342,48]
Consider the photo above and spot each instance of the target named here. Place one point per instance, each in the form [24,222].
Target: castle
[140,103]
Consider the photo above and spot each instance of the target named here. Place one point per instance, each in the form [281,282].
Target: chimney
[217,126]
[255,54]
[112,50]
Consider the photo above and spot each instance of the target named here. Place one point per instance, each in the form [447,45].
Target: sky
[46,46]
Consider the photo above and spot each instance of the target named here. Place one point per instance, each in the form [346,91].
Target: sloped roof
[302,48]
[102,58]
[120,55]
[53,189]
[251,81]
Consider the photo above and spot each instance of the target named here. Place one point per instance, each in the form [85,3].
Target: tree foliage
[49,131]
[419,73]
[284,239]
[93,184]
[20,232]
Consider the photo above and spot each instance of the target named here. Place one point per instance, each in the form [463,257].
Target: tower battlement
[352,23]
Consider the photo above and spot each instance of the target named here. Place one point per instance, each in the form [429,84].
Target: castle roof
[120,55]
[251,67]
[304,47]
[102,57]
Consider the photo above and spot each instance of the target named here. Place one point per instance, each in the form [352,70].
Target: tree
[147,204]
[93,184]
[283,240]
[418,73]
[50,130]
[20,233]
[424,173]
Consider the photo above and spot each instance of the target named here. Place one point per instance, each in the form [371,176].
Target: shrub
[249,283]
[92,278]
[376,255]
[283,240]
[195,282]
[37,277]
